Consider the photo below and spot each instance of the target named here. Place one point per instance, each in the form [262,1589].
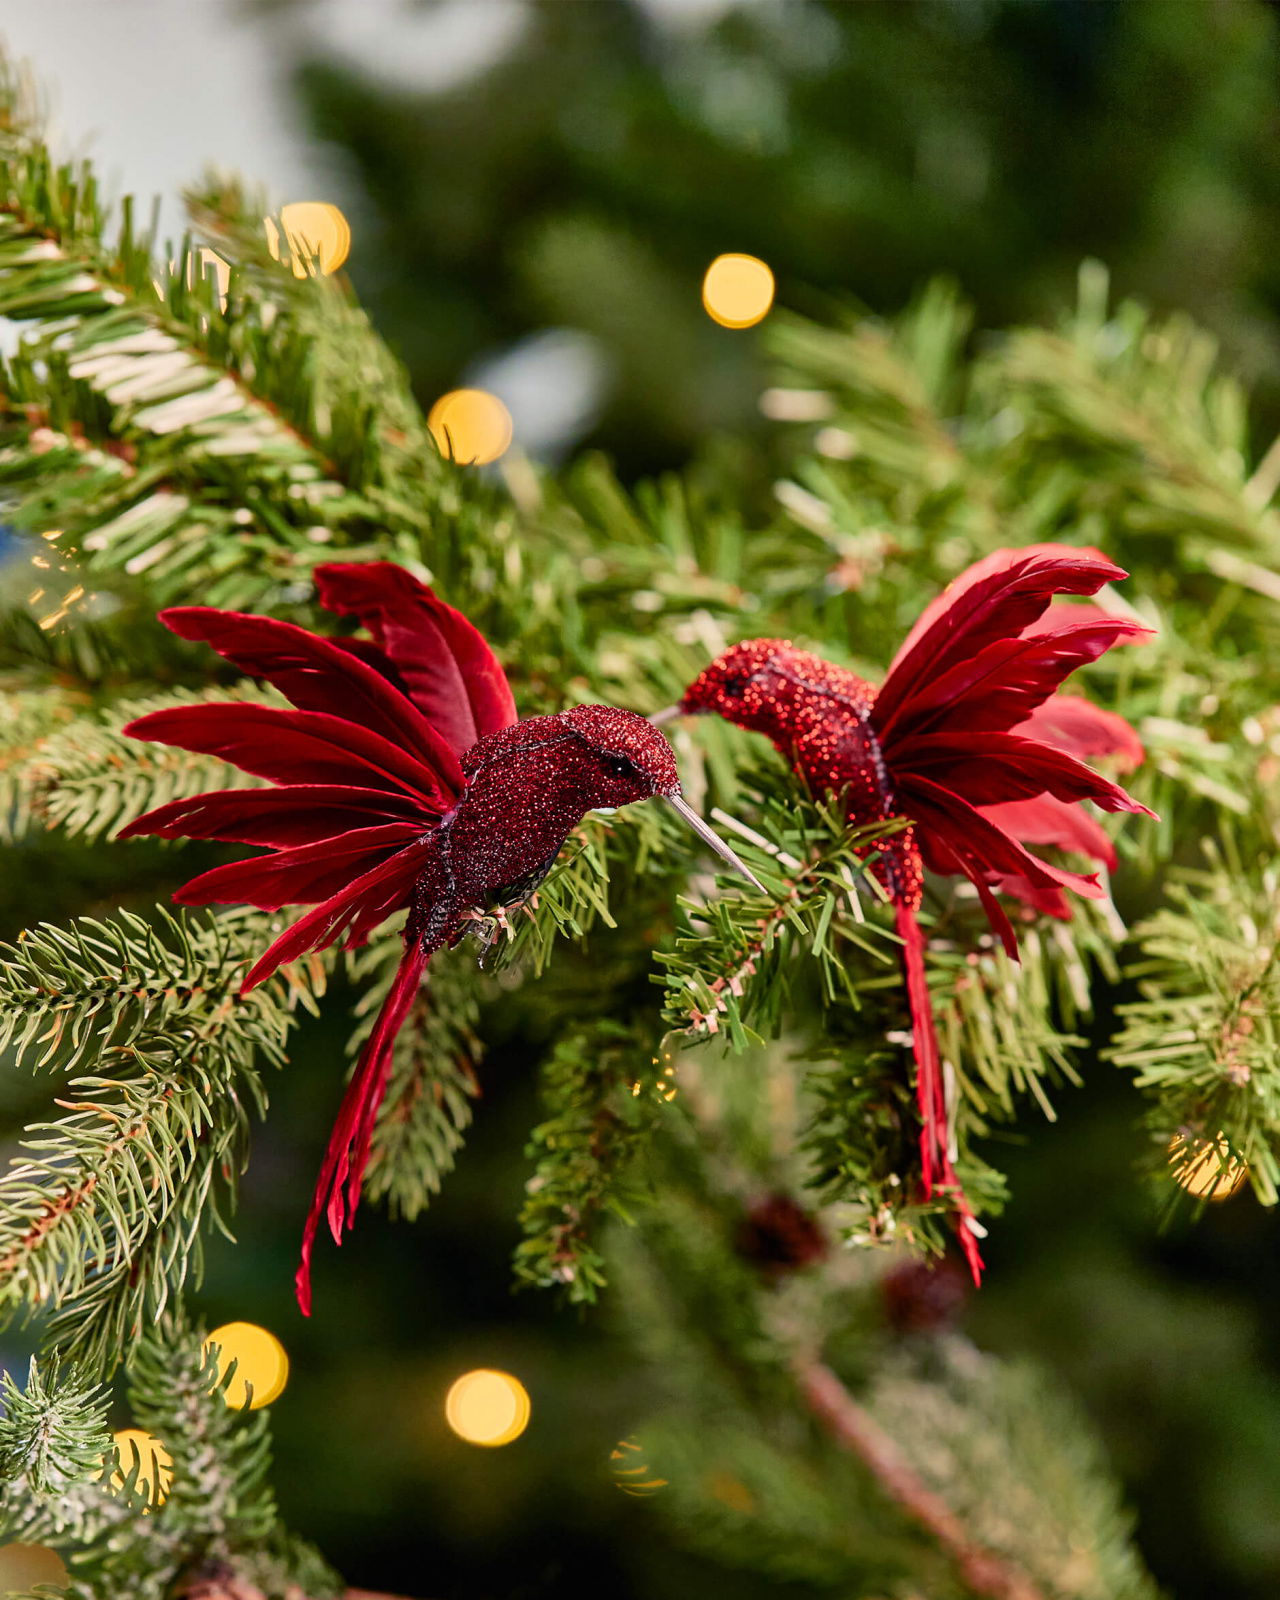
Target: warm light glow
[155,1473]
[1207,1170]
[737,291]
[487,1407]
[23,1566]
[632,1473]
[26,1565]
[261,1363]
[313,228]
[205,261]
[470,426]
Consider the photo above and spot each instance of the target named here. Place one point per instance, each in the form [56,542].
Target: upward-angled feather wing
[302,747]
[1000,685]
[448,669]
[312,672]
[997,599]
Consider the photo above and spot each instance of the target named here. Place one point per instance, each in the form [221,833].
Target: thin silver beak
[710,837]
[669,714]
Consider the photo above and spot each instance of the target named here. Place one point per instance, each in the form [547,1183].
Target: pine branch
[102,1219]
[1203,1039]
[218,1522]
[169,435]
[856,1430]
[603,1086]
[90,779]
[733,966]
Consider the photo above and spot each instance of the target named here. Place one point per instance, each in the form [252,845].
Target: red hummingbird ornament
[402,779]
[968,740]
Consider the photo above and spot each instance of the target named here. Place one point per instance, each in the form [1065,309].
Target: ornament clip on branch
[970,740]
[401,779]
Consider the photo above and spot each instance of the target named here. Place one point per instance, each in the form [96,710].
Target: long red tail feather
[342,1170]
[935,1156]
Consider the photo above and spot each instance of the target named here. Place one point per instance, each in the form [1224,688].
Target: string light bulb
[1206,1168]
[24,1566]
[470,426]
[137,1447]
[487,1407]
[312,228]
[262,1364]
[737,291]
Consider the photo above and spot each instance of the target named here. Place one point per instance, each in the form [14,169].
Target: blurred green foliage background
[582,183]
[589,177]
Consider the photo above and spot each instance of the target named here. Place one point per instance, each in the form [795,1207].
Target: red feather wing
[282,818]
[987,769]
[1045,820]
[948,826]
[312,673]
[995,599]
[1071,723]
[348,911]
[301,876]
[299,747]
[450,672]
[1003,683]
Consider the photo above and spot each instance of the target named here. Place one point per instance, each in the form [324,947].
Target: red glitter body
[966,738]
[402,779]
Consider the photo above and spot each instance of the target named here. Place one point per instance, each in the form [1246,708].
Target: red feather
[996,600]
[301,876]
[282,818]
[1074,724]
[342,1171]
[987,769]
[448,669]
[1046,820]
[302,747]
[344,912]
[1004,682]
[312,673]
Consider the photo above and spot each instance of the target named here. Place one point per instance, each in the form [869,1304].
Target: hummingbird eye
[620,767]
[734,688]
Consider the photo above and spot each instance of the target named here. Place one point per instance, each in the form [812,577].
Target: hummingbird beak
[669,714]
[710,837]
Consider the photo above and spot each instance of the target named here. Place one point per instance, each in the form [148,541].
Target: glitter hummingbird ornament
[968,740]
[401,779]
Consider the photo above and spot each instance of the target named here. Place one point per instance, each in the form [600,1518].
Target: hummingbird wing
[281,818]
[301,876]
[303,747]
[444,663]
[998,599]
[354,911]
[315,674]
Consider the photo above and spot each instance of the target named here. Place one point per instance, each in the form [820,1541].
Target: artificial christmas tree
[823,1429]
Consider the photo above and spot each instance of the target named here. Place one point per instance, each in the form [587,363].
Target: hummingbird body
[968,741]
[819,717]
[402,780]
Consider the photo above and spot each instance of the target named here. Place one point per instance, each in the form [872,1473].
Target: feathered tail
[342,1171]
[935,1157]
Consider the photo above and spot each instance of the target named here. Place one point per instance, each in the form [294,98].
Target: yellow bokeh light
[261,1363]
[312,228]
[737,291]
[470,426]
[487,1407]
[1206,1168]
[23,1566]
[136,1446]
